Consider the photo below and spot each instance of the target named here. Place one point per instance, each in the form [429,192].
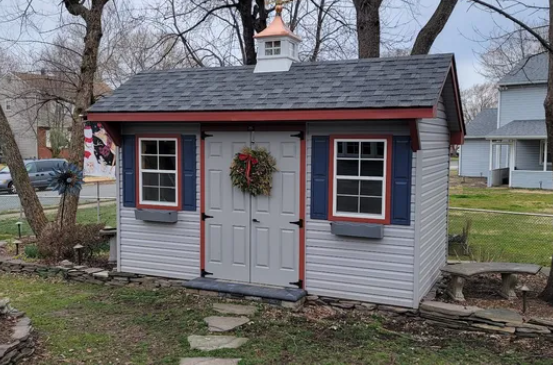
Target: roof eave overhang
[526,83]
[456,137]
[489,138]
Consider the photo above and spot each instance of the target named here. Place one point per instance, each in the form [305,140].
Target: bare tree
[477,98]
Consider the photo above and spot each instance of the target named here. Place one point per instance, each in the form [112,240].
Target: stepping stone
[240,310]
[210,343]
[500,315]
[448,308]
[208,361]
[225,324]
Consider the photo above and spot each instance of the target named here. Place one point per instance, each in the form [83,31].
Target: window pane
[372,149]
[372,168]
[347,187]
[167,148]
[167,163]
[348,167]
[149,162]
[149,147]
[347,204]
[150,194]
[167,195]
[150,179]
[276,51]
[371,205]
[268,52]
[348,149]
[371,188]
[167,180]
[276,43]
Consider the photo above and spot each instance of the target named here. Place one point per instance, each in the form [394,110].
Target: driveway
[10,202]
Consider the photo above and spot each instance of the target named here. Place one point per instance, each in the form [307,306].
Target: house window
[360,178]
[543,148]
[272,48]
[158,171]
[8,105]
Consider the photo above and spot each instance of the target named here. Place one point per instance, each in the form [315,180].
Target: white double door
[247,238]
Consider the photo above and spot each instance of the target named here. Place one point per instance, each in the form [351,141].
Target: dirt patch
[6,329]
[456,181]
[482,291]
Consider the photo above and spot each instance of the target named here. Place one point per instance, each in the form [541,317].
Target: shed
[358,205]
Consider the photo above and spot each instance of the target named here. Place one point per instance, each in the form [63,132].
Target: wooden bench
[460,272]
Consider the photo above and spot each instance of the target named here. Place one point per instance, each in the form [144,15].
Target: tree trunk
[547,293]
[433,28]
[245,10]
[27,195]
[368,27]
[84,96]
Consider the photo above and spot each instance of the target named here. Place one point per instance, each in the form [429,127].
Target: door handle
[255,220]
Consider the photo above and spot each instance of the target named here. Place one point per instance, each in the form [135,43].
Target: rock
[368,306]
[490,328]
[389,308]
[343,305]
[210,343]
[93,270]
[101,274]
[541,321]
[448,308]
[240,310]
[311,298]
[532,328]
[208,361]
[499,315]
[117,274]
[225,324]
[294,306]
[66,263]
[21,332]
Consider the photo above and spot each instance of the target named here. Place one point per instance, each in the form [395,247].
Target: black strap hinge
[298,283]
[205,216]
[206,273]
[204,135]
[300,135]
[298,223]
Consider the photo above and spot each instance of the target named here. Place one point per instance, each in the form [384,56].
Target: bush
[31,251]
[57,244]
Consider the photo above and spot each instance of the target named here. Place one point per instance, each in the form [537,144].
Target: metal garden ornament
[66,179]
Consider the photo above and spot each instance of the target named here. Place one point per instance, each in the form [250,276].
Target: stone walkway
[220,324]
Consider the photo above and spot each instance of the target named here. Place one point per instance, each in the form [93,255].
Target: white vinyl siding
[160,249]
[371,270]
[475,158]
[432,200]
[521,103]
[532,180]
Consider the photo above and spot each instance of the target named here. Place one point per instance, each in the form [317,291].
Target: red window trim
[178,207]
[388,198]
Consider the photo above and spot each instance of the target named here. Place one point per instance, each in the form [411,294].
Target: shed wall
[431,201]
[169,250]
[372,270]
[475,158]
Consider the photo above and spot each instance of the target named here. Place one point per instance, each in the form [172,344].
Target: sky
[462,35]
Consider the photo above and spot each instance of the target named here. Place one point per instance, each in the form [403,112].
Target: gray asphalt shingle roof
[371,83]
[521,129]
[531,70]
[484,123]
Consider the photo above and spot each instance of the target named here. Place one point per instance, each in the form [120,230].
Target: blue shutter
[129,171]
[189,173]
[319,177]
[401,181]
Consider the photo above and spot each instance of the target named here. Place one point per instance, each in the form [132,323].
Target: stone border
[99,276]
[22,344]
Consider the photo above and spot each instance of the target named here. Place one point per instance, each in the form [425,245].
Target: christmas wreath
[252,171]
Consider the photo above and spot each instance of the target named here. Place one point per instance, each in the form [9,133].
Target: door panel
[275,241]
[227,233]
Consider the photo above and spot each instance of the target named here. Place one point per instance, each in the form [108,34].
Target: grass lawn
[86,324]
[108,215]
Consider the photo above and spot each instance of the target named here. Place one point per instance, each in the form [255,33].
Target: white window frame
[176,171]
[270,46]
[335,178]
[543,153]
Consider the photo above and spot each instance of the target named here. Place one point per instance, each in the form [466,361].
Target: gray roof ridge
[302,64]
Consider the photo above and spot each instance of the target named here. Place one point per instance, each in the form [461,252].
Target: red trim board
[178,207]
[388,197]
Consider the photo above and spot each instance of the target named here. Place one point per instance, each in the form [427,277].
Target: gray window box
[363,230]
[162,216]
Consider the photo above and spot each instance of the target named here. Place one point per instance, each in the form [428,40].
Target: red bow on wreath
[250,160]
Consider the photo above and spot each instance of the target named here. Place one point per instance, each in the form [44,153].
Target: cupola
[277,46]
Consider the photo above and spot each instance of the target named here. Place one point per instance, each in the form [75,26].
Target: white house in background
[514,150]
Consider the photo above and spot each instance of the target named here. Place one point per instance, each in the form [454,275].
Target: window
[8,105]
[359,184]
[272,48]
[543,148]
[158,171]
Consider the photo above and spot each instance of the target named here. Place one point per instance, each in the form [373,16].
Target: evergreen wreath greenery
[260,165]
